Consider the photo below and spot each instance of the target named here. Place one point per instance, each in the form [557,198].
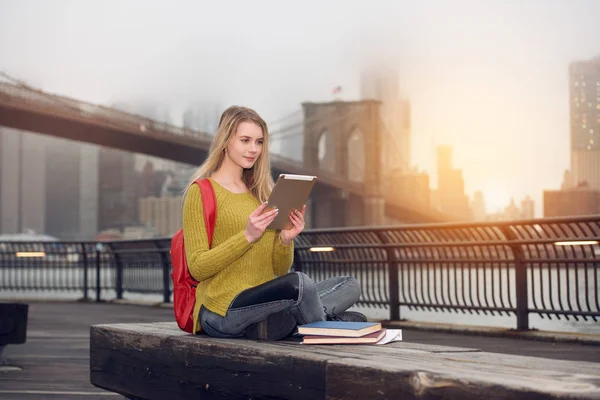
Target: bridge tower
[345,140]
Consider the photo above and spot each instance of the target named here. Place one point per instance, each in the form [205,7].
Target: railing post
[394,289]
[166,276]
[98,250]
[521,281]
[119,274]
[393,284]
[297,262]
[85,272]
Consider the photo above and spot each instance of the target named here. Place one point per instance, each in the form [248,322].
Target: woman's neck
[229,173]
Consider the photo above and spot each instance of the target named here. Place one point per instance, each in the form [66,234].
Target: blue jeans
[311,302]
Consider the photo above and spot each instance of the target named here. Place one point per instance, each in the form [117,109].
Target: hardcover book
[366,339]
[339,328]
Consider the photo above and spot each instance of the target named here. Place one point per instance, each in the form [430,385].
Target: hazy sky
[488,77]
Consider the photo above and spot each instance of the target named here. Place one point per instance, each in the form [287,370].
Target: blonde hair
[257,179]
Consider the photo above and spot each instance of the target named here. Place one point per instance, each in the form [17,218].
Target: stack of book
[339,332]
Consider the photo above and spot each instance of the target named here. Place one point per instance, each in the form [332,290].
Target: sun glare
[496,198]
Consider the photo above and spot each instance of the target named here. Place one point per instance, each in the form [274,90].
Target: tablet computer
[290,191]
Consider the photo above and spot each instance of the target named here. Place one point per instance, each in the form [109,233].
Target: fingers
[267,219]
[260,222]
[263,225]
[259,210]
[297,214]
[297,219]
[266,216]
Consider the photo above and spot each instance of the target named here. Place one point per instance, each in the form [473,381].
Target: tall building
[451,186]
[47,185]
[412,187]
[156,112]
[203,117]
[478,206]
[287,136]
[381,84]
[63,189]
[71,189]
[163,214]
[117,181]
[22,181]
[89,190]
[177,182]
[512,212]
[527,208]
[584,90]
[575,201]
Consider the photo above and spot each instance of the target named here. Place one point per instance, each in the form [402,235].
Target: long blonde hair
[257,179]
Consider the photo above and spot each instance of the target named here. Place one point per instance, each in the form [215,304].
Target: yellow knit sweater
[232,264]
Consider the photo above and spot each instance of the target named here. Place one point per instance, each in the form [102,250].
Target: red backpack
[184,286]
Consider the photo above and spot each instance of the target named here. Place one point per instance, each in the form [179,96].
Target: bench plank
[156,361]
[468,376]
[154,366]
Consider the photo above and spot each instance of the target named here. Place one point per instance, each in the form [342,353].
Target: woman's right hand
[258,222]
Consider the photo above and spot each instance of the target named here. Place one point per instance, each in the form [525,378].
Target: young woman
[244,288]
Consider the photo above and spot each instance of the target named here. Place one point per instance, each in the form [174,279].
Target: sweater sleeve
[283,256]
[202,261]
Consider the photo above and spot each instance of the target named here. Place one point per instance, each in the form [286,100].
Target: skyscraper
[158,113]
[63,189]
[117,202]
[527,208]
[203,117]
[584,90]
[22,181]
[451,186]
[381,83]
[47,185]
[478,206]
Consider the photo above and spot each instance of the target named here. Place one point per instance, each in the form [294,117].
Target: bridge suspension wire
[284,118]
[11,78]
[284,130]
[287,133]
[280,135]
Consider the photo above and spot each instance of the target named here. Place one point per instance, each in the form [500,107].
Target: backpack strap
[209,205]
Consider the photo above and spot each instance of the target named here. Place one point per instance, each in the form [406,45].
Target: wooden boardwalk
[54,362]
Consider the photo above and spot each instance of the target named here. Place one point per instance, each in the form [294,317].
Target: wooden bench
[13,324]
[158,361]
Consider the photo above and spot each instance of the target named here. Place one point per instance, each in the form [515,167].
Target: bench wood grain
[158,361]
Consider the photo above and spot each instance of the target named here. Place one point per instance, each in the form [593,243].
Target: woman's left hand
[297,218]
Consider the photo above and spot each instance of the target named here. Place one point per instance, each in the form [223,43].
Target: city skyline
[495,88]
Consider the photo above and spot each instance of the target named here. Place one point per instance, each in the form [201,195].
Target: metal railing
[548,267]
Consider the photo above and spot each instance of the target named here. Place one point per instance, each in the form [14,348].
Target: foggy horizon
[489,79]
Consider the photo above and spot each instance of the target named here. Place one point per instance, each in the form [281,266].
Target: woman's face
[247,145]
